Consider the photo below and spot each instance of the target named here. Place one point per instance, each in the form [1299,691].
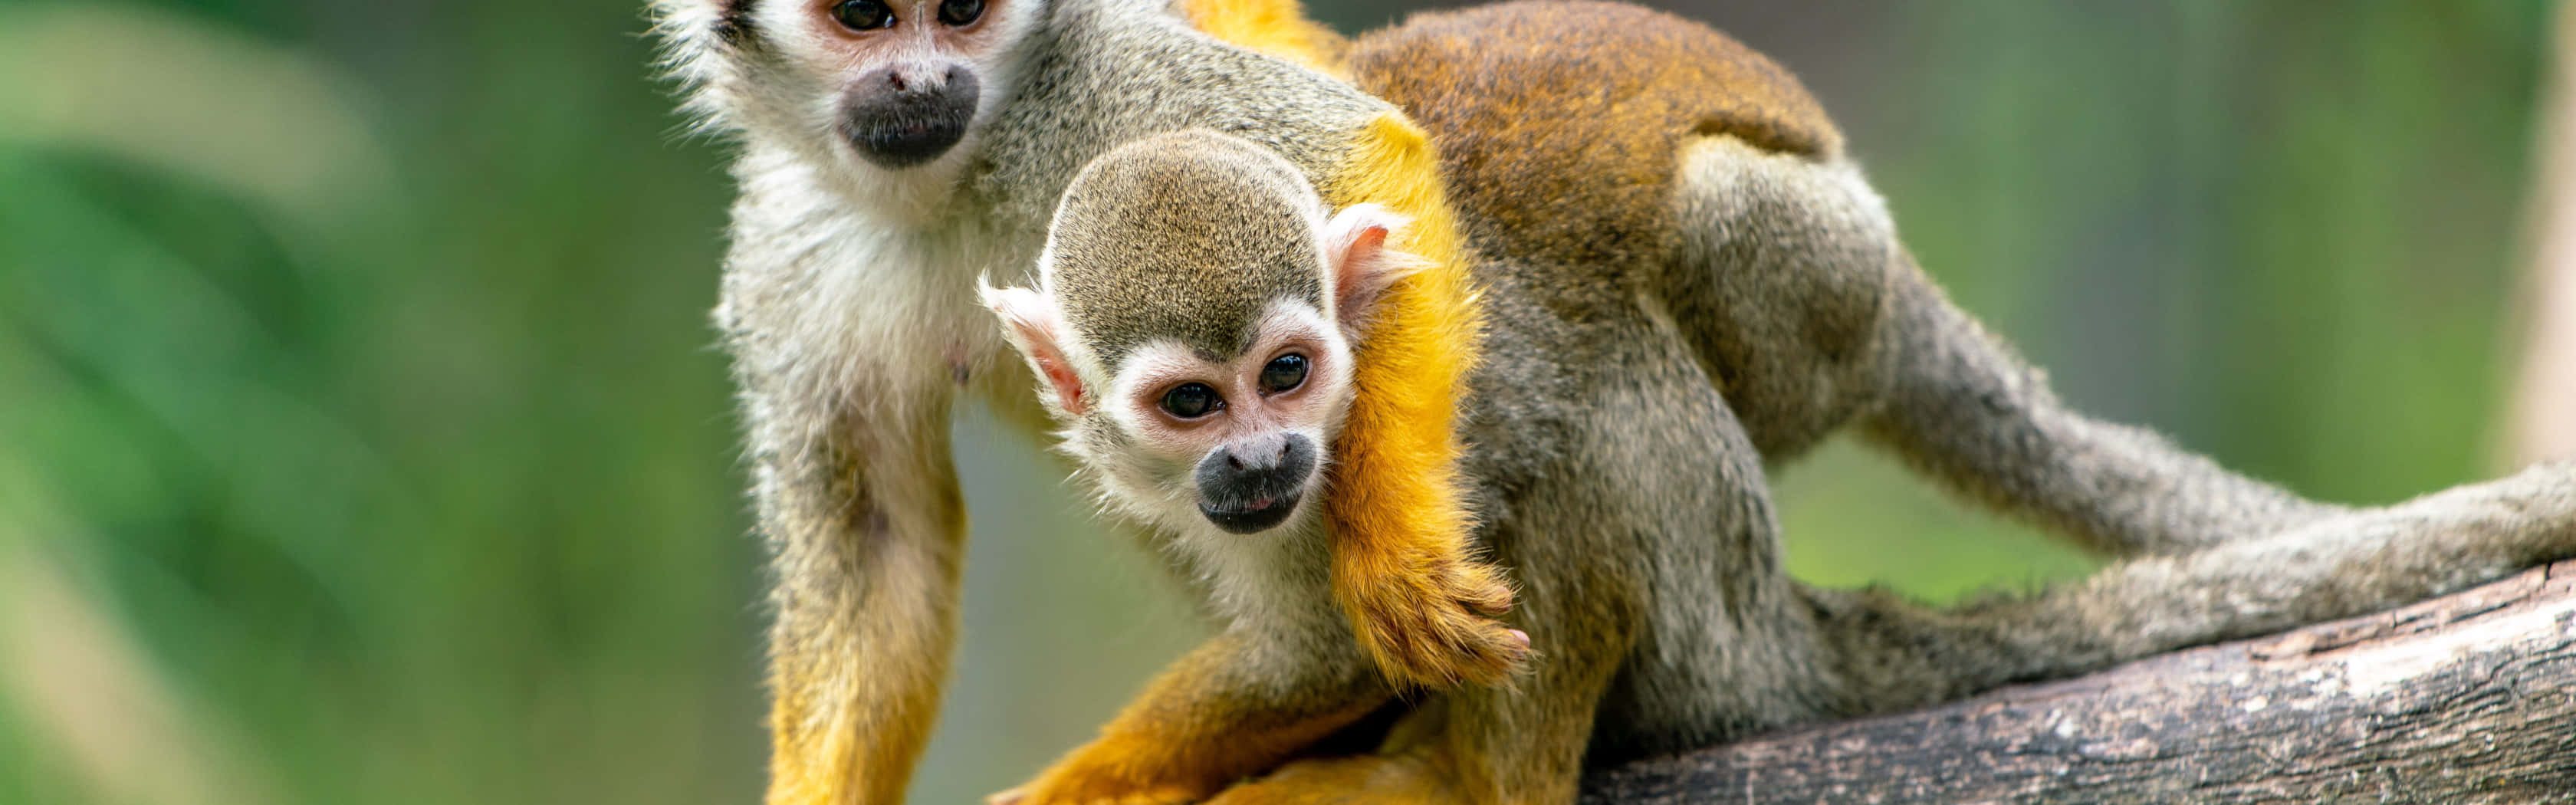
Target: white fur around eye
[1155,365]
[1329,370]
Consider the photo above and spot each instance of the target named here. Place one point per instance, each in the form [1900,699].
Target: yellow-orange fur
[1276,27]
[1400,523]
[841,735]
[1399,515]
[1171,747]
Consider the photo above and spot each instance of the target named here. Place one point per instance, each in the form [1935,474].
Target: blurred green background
[361,438]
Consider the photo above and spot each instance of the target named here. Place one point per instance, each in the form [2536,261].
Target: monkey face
[1243,438]
[1194,329]
[1181,438]
[898,84]
[912,74]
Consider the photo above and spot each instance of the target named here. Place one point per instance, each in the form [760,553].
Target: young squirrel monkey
[890,151]
[1194,332]
[1196,322]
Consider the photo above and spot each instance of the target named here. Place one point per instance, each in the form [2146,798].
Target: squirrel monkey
[891,151]
[1194,323]
[1195,330]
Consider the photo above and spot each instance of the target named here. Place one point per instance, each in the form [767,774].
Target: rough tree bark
[2464,699]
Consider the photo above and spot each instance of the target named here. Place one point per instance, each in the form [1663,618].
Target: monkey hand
[1427,619]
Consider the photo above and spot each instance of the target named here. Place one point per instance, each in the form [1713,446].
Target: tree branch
[2469,698]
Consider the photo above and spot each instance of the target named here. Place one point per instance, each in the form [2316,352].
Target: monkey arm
[865,528]
[1418,603]
[860,509]
[1221,713]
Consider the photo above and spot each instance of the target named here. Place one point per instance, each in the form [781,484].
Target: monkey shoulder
[1105,76]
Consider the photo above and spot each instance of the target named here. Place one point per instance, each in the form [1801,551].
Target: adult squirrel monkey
[1197,322]
[891,151]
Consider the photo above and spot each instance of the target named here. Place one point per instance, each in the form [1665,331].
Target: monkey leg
[1792,285]
[866,528]
[1230,709]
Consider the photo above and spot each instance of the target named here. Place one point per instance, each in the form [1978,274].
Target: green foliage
[361,439]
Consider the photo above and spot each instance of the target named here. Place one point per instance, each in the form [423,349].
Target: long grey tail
[1893,654]
[1963,407]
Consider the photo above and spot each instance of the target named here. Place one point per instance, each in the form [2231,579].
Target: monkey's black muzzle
[1247,488]
[898,122]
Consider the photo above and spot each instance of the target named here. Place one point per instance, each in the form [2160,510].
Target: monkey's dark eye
[1191,400]
[865,15]
[960,12]
[1284,372]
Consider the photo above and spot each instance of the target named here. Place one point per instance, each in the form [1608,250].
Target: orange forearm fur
[1189,736]
[1402,573]
[1400,518]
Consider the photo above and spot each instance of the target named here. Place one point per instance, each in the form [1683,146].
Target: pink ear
[1361,264]
[1034,323]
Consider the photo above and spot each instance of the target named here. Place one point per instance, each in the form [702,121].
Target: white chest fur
[882,311]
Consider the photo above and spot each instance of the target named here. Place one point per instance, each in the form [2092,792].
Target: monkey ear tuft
[1035,325]
[1360,263]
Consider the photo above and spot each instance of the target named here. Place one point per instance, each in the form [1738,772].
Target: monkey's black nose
[899,120]
[1254,485]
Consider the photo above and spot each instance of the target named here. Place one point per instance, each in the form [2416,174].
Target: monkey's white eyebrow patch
[1288,319]
[1158,362]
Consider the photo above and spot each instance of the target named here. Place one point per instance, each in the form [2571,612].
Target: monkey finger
[1493,599]
[1012,796]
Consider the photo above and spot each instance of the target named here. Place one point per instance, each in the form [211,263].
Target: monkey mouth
[905,128]
[909,143]
[1254,516]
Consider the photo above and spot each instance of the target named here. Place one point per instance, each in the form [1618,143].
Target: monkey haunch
[1697,230]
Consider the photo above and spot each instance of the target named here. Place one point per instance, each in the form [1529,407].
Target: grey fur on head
[1184,235]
